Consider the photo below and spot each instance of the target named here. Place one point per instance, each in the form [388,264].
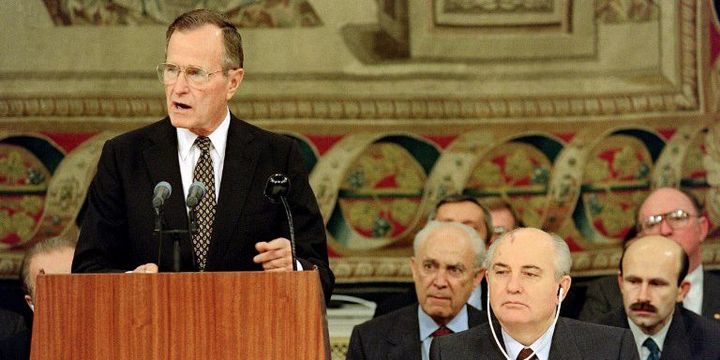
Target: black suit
[14,336]
[603,296]
[396,335]
[117,232]
[572,340]
[690,336]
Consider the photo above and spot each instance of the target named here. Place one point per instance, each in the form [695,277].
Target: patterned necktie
[651,345]
[441,331]
[205,210]
[524,353]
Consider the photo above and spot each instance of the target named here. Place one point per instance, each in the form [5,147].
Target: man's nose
[513,284]
[643,293]
[440,279]
[665,228]
[181,84]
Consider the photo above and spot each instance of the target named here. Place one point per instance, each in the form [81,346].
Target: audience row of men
[649,310]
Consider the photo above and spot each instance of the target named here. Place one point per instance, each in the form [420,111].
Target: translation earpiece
[560,294]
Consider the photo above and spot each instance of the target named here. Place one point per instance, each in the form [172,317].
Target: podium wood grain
[238,315]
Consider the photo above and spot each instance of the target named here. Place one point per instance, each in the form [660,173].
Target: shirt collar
[541,346]
[186,138]
[696,276]
[428,325]
[659,337]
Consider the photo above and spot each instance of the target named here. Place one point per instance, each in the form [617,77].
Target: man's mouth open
[181,106]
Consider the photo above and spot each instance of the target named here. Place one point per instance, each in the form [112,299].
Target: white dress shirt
[694,299]
[640,337]
[428,326]
[541,346]
[188,154]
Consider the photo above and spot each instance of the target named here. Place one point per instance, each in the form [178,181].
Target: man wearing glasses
[676,215]
[200,140]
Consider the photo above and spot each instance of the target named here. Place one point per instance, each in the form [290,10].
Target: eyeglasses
[676,219]
[499,230]
[195,75]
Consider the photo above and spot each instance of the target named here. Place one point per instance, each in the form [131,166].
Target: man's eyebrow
[531,267]
[503,265]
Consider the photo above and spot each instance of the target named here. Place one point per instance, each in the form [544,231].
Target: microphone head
[161,192]
[195,194]
[277,186]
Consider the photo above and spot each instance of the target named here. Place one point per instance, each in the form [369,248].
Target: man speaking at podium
[200,140]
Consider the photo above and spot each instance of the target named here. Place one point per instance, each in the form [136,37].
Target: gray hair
[563,259]
[477,243]
[46,246]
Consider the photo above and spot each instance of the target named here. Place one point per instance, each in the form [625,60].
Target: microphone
[195,194]
[161,193]
[277,188]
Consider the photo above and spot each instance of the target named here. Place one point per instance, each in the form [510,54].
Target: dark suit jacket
[117,232]
[690,336]
[603,296]
[572,340]
[395,336]
[14,336]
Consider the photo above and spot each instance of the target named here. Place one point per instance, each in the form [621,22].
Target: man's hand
[146,268]
[275,255]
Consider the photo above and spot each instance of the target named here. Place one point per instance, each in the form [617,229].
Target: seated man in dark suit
[651,276]
[677,215]
[49,256]
[445,268]
[13,336]
[457,208]
[528,276]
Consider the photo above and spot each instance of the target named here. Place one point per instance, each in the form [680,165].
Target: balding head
[676,215]
[652,270]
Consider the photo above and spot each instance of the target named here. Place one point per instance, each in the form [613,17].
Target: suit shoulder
[697,325]
[593,330]
[389,320]
[262,134]
[136,136]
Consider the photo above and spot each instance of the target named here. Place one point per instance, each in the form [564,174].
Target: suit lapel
[405,340]
[677,344]
[238,172]
[563,343]
[161,162]
[711,296]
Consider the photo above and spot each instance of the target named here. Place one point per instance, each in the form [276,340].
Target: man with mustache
[651,279]
[528,275]
[445,268]
[677,215]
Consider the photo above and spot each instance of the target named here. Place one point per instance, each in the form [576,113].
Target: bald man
[652,282]
[677,215]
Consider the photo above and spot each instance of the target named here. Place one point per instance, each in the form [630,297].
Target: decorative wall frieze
[362,108]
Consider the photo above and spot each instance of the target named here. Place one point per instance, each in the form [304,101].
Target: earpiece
[560,294]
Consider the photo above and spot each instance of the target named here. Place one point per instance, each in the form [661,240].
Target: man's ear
[565,283]
[683,290]
[479,276]
[236,77]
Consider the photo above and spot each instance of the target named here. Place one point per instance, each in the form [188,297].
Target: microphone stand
[291,229]
[176,258]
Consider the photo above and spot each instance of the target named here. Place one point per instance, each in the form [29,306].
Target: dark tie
[654,349]
[205,211]
[524,353]
[441,331]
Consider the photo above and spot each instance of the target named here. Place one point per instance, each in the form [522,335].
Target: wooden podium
[228,315]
